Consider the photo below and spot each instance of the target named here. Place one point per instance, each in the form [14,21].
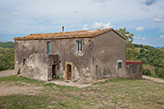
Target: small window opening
[79,45]
[49,47]
[24,61]
[119,65]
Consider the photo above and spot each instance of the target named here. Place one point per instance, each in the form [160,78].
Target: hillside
[19,92]
[162,49]
[7,44]
[153,59]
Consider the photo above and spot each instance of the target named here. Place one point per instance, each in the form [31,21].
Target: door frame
[66,70]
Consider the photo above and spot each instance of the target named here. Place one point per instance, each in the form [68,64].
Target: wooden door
[69,71]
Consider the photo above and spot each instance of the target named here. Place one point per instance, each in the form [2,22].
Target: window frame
[119,64]
[79,45]
[49,47]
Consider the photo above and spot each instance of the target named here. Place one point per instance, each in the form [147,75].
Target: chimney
[62,28]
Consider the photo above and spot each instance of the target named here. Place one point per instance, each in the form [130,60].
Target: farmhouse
[79,56]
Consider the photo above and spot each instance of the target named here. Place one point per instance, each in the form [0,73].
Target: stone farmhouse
[79,56]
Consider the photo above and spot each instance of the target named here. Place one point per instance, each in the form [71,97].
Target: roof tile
[64,35]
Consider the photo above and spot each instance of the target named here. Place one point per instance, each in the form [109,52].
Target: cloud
[101,25]
[100,1]
[76,12]
[162,36]
[145,8]
[138,37]
[85,27]
[149,2]
[16,14]
[157,20]
[143,38]
[140,29]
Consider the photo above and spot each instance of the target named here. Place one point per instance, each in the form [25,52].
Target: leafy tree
[144,60]
[131,53]
[146,71]
[7,44]
[142,50]
[156,62]
[6,58]
[162,49]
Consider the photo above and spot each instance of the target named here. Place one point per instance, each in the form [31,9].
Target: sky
[143,18]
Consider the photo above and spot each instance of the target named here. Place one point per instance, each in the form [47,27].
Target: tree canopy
[131,53]
[6,58]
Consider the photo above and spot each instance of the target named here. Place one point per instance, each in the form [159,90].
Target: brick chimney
[62,28]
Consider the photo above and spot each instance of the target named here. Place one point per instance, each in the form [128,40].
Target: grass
[14,78]
[113,93]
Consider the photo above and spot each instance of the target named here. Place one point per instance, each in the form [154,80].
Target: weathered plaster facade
[103,55]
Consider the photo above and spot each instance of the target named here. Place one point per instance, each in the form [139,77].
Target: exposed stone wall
[109,49]
[134,71]
[81,60]
[36,67]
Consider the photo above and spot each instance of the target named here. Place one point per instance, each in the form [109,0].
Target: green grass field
[114,93]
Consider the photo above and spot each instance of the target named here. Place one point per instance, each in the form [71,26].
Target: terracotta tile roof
[65,35]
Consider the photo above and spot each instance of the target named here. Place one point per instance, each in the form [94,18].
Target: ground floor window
[119,64]
[24,61]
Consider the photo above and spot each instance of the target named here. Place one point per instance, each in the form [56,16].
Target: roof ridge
[61,35]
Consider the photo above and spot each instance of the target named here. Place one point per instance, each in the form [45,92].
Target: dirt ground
[7,88]
[6,73]
[153,79]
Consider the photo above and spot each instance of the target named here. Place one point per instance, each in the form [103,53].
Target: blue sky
[143,18]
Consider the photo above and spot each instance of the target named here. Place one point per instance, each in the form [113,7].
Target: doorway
[54,72]
[69,71]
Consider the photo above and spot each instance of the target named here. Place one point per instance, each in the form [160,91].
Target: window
[119,65]
[79,45]
[49,47]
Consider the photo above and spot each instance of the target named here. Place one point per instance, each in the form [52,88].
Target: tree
[142,50]
[156,62]
[144,60]
[146,71]
[6,58]
[131,53]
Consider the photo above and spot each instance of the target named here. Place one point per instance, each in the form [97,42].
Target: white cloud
[101,25]
[162,36]
[16,14]
[145,8]
[134,36]
[138,37]
[143,38]
[157,19]
[85,27]
[140,29]
[149,2]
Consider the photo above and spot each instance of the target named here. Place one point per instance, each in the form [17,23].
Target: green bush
[6,59]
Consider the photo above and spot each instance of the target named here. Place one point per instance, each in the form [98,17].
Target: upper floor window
[49,47]
[79,45]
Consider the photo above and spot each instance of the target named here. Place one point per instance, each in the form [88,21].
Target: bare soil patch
[6,73]
[153,79]
[10,88]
